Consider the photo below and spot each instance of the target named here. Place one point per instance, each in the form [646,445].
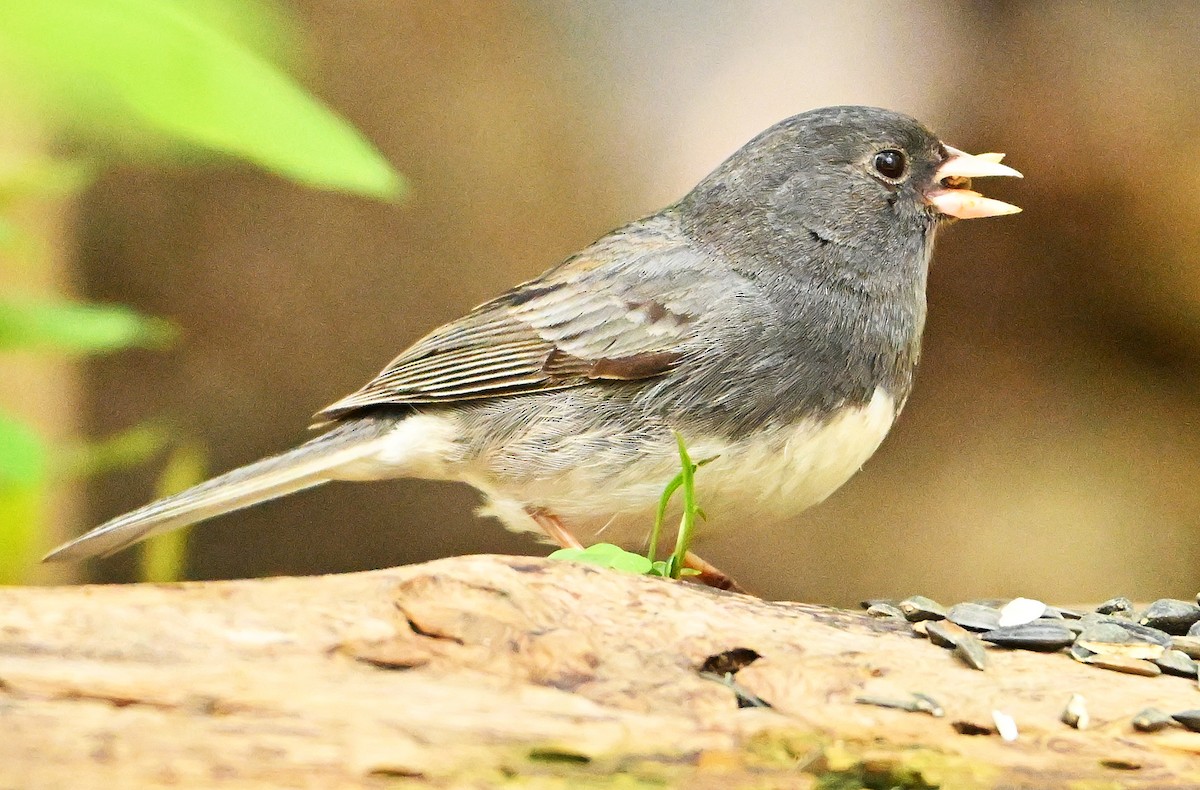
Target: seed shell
[1188,645]
[1019,611]
[1075,714]
[1152,720]
[885,610]
[1130,666]
[1189,719]
[1176,662]
[1120,605]
[971,652]
[918,607]
[1005,725]
[944,633]
[974,616]
[1041,635]
[1171,615]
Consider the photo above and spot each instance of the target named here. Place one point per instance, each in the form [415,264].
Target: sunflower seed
[1117,606]
[1171,615]
[885,611]
[1005,725]
[974,617]
[1143,632]
[1019,611]
[1189,719]
[1041,635]
[917,703]
[1066,614]
[971,652]
[944,633]
[1079,653]
[918,608]
[1130,666]
[1152,720]
[1194,630]
[1075,713]
[1110,639]
[1188,645]
[868,603]
[1176,662]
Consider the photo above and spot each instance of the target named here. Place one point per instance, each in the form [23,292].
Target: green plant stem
[687,522]
[664,502]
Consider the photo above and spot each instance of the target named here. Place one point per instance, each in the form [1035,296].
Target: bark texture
[510,671]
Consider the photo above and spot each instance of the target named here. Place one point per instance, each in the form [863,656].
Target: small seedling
[610,556]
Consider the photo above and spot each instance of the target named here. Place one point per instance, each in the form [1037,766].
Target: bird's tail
[303,467]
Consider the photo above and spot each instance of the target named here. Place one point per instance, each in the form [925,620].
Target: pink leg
[554,528]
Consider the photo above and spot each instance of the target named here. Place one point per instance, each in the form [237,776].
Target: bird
[771,318]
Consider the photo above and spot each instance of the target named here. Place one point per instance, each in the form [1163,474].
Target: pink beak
[950,195]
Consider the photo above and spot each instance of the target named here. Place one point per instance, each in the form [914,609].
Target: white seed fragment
[1005,725]
[1075,714]
[1019,611]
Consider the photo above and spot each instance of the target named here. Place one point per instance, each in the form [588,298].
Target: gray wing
[623,309]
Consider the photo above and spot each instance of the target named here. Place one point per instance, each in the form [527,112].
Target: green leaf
[608,556]
[164,556]
[23,498]
[125,450]
[171,69]
[78,328]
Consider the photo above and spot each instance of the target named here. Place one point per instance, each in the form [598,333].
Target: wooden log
[486,671]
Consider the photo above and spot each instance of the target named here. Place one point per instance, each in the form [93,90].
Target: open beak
[951,193]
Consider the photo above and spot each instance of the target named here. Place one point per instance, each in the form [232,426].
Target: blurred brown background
[1051,446]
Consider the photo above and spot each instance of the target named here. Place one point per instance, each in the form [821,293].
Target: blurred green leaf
[169,67]
[23,489]
[163,556]
[44,177]
[78,328]
[125,450]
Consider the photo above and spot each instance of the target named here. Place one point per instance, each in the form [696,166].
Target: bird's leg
[557,531]
[711,575]
[554,528]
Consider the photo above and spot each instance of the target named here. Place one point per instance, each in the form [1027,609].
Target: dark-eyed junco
[772,317]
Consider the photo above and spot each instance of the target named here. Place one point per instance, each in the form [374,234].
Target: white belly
[771,477]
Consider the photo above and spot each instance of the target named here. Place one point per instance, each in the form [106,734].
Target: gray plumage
[786,290]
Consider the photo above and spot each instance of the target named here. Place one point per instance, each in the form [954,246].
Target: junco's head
[848,176]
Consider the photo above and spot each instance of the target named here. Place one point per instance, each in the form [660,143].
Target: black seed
[885,610]
[1066,614]
[1188,645]
[1109,638]
[1189,719]
[1145,632]
[1171,615]
[1044,636]
[971,651]
[1176,662]
[944,633]
[974,616]
[918,608]
[1079,653]
[1116,606]
[1152,720]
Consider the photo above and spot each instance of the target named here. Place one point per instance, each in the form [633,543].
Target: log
[487,670]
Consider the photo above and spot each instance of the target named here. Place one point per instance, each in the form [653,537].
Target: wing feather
[575,325]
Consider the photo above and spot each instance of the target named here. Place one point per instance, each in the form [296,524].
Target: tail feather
[303,467]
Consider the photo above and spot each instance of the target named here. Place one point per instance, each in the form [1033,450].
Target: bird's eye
[890,164]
